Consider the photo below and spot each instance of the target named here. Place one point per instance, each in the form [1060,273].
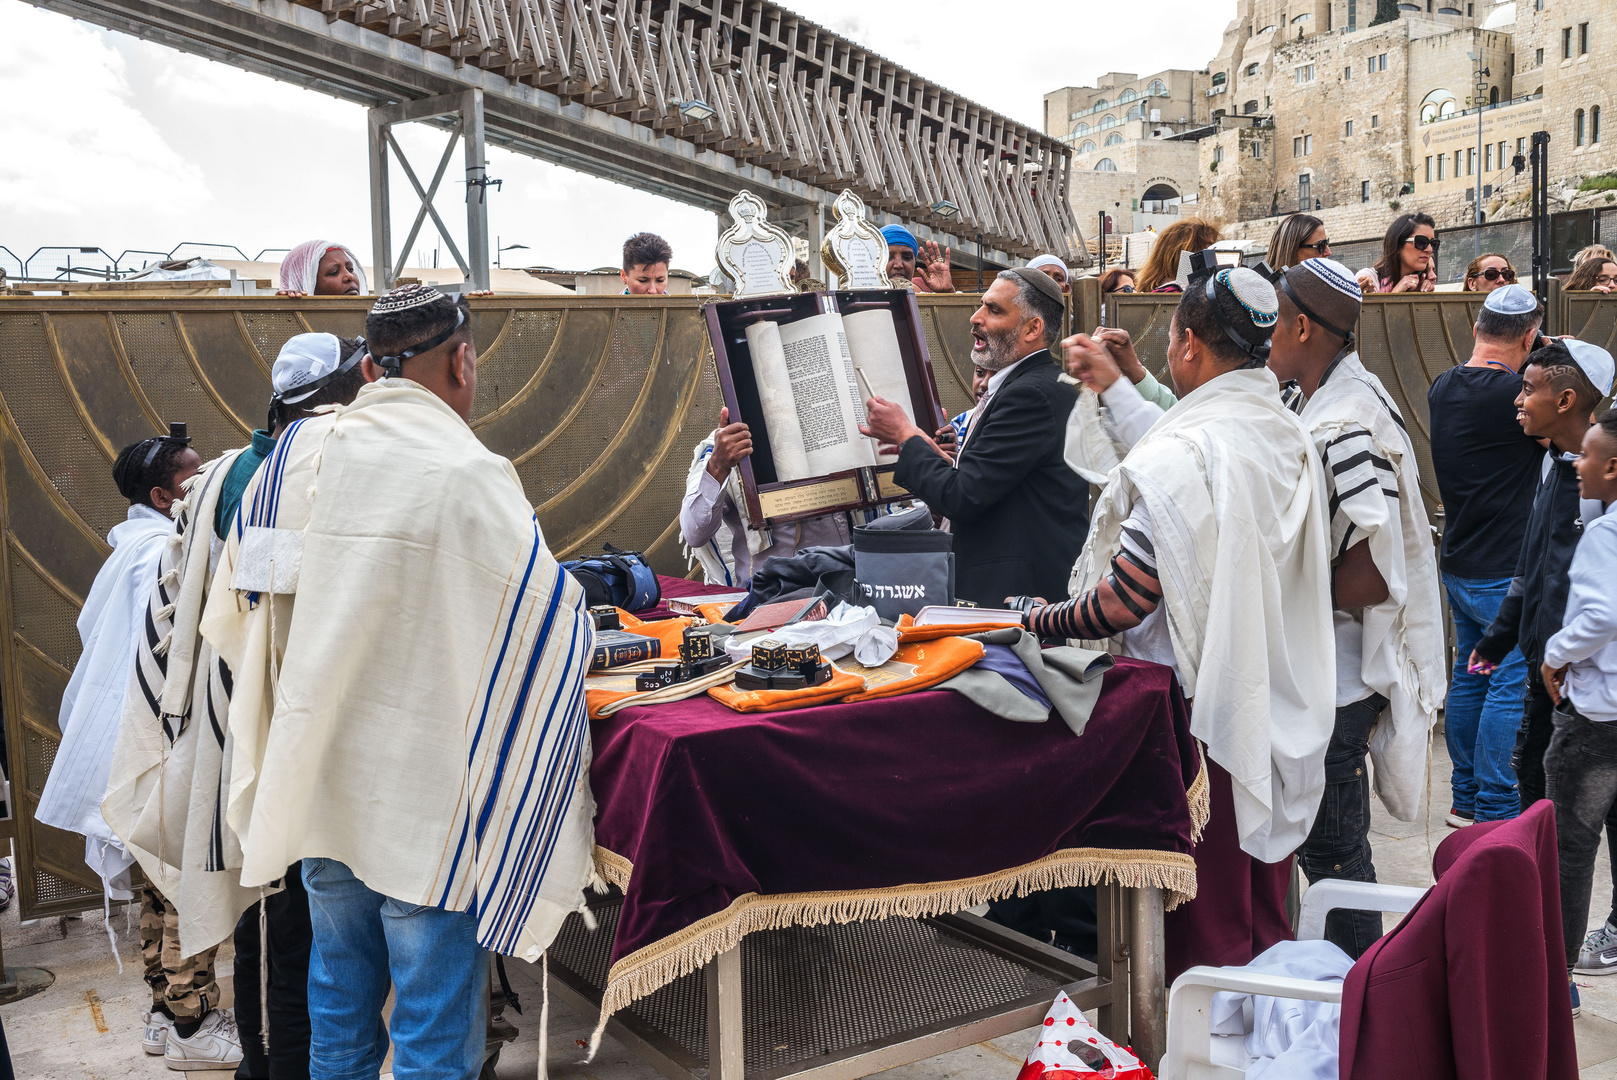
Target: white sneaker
[158,1026]
[214,1045]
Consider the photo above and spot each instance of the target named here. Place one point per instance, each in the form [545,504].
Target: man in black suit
[1017,510]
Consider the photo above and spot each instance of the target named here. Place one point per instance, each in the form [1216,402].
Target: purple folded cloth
[1002,661]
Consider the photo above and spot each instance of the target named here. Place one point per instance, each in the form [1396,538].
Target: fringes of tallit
[660,963]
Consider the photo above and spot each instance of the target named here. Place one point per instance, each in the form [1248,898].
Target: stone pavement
[87,1024]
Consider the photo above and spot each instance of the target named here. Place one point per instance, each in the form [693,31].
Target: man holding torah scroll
[1017,511]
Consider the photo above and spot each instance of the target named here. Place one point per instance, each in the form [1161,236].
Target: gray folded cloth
[1069,677]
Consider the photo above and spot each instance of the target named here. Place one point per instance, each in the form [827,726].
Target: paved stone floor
[87,1024]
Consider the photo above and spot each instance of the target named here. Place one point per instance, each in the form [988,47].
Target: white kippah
[1041,261]
[1253,292]
[1336,276]
[302,360]
[1511,300]
[1595,362]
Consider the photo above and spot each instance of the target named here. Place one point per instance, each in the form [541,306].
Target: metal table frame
[1125,988]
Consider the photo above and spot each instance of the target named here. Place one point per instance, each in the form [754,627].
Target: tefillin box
[776,665]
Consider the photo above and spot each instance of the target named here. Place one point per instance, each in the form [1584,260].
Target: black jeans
[1067,915]
[1533,739]
[1581,766]
[290,937]
[1338,846]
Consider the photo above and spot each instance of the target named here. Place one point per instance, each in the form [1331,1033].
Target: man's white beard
[996,355]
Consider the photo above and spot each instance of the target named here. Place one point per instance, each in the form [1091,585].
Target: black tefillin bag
[619,578]
[901,564]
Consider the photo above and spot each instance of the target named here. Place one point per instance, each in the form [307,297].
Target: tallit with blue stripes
[414,708]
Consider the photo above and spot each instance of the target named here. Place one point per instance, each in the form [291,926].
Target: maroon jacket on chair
[1472,984]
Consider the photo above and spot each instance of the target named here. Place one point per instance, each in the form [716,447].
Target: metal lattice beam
[797,112]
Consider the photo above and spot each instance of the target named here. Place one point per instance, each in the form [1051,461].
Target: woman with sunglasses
[1408,260]
[1488,272]
[1297,238]
[1593,275]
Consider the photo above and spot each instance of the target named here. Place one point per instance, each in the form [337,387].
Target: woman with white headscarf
[1054,267]
[322,268]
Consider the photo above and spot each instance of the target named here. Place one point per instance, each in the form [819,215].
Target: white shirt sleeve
[702,511]
[1132,415]
[1591,601]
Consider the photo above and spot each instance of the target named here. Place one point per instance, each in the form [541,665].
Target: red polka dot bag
[1070,1049]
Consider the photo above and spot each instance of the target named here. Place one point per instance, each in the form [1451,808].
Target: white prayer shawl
[166,793]
[1092,448]
[1403,657]
[420,716]
[109,625]
[1237,501]
[718,564]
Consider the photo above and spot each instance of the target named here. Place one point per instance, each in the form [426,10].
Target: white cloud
[146,147]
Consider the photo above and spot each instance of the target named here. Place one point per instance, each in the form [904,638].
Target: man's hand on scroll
[887,423]
[731,443]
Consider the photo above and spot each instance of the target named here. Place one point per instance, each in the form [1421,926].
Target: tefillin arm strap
[393,366]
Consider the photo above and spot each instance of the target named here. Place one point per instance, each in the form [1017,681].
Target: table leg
[725,1049]
[1147,1004]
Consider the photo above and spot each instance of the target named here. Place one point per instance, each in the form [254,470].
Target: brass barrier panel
[599,402]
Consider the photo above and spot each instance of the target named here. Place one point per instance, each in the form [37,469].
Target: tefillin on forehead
[399,316]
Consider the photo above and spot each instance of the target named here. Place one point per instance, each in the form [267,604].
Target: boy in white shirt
[1580,673]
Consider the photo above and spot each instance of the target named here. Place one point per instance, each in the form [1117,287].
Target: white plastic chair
[1194,1053]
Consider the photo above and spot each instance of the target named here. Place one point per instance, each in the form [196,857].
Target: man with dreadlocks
[151,474]
[1209,553]
[173,761]
[408,712]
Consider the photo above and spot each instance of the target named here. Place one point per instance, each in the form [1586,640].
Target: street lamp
[499,250]
[1480,100]
[698,110]
[945,209]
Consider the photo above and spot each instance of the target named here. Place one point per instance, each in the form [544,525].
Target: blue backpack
[620,578]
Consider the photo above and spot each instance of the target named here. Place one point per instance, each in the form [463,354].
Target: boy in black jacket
[1561,383]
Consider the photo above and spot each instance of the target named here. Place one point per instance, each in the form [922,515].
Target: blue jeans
[1483,711]
[362,940]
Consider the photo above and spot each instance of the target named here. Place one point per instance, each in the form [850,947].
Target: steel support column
[1147,994]
[467,109]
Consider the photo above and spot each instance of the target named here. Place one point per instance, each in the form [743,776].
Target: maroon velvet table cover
[716,824]
[674,588]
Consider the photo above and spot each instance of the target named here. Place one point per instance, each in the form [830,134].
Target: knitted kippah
[1337,277]
[404,298]
[1252,292]
[1325,290]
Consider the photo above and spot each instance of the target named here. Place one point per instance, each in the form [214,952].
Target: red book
[775,616]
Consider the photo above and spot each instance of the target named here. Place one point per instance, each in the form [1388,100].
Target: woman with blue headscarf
[925,269]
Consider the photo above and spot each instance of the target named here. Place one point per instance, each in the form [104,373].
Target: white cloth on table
[419,714]
[1237,498]
[110,623]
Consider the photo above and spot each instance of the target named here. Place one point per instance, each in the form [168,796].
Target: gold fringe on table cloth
[649,969]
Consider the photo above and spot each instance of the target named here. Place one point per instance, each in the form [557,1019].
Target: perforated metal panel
[811,991]
[599,401]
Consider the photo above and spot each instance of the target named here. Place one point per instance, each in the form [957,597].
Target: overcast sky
[114,142]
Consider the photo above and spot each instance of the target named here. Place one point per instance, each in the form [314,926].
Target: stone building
[1132,158]
[1307,105]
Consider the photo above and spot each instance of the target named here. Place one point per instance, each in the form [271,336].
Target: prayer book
[686,605]
[615,648]
[775,616]
[949,615]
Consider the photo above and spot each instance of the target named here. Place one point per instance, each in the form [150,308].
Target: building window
[1487,158]
[1257,150]
[1364,191]
[1218,154]
[1353,15]
[1215,191]
[1348,128]
[1220,79]
[1521,146]
[1347,73]
[1157,89]
[1493,95]
[1107,121]
[1583,39]
[1442,160]
[1105,164]
[1114,139]
[1371,66]
[1305,74]
[1252,69]
[1081,129]
[1594,124]
[1136,113]
[1428,168]
[1470,161]
[1087,148]
[1577,128]
[1297,147]
[1458,159]
[1305,192]
[1128,94]
[1375,120]
[1250,107]
[1538,57]
[1566,43]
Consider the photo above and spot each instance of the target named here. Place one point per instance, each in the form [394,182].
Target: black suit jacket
[1017,510]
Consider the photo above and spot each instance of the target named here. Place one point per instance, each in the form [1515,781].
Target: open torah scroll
[814,376]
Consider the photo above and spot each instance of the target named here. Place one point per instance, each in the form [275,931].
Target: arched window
[1433,104]
[1105,164]
[1114,139]
[1594,124]
[1577,128]
[1220,79]
[1127,95]
[1250,107]
[1304,17]
[1266,29]
[1136,113]
[1107,121]
[1252,69]
[1447,109]
[1157,88]
[1087,148]
[1493,95]
[1081,129]
[1101,104]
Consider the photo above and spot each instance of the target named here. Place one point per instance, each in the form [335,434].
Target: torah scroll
[810,395]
